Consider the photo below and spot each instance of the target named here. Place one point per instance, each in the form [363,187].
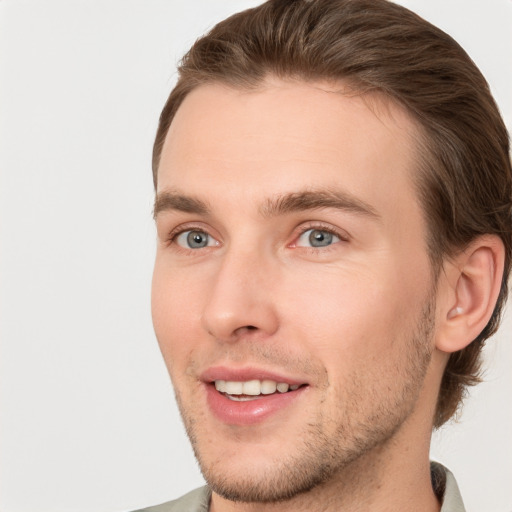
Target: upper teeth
[253,387]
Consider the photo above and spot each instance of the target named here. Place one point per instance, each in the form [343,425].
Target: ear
[469,290]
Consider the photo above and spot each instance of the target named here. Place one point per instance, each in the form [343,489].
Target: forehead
[287,135]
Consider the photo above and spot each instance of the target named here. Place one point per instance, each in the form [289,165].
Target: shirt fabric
[443,482]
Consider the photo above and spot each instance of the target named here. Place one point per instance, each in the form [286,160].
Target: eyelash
[319,226]
[183,228]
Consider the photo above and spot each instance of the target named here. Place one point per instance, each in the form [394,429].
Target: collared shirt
[443,482]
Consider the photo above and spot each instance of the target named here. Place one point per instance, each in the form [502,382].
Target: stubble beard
[319,455]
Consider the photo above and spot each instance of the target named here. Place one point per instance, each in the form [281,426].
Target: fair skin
[292,250]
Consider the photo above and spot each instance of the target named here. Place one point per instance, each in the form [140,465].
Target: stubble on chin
[326,448]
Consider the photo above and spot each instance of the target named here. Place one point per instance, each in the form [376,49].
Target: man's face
[291,254]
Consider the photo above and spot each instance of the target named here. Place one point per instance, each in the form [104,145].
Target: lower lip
[251,411]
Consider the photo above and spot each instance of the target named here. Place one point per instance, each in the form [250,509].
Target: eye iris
[197,239]
[319,238]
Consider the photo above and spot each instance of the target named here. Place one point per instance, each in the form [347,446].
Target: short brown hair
[464,179]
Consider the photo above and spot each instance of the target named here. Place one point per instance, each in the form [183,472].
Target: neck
[379,482]
[392,485]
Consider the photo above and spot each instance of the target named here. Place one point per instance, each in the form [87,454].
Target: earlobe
[475,277]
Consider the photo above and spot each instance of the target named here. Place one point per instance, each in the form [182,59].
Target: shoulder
[197,500]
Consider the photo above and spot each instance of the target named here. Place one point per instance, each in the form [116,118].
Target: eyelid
[190,226]
[320,226]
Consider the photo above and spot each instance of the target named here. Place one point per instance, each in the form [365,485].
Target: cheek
[174,306]
[352,318]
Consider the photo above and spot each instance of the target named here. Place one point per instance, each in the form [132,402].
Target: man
[333,199]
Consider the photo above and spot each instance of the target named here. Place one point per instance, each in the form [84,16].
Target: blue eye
[195,239]
[317,238]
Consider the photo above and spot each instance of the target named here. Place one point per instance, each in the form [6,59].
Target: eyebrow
[314,200]
[274,206]
[168,201]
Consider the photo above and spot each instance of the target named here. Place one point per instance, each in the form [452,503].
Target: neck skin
[393,477]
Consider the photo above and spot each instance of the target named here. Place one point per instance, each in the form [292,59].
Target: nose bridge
[240,295]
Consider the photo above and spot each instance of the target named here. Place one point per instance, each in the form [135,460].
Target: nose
[241,300]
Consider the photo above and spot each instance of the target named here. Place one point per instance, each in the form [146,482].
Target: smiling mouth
[253,389]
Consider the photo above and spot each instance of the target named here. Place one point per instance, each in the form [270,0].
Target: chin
[265,481]
[279,470]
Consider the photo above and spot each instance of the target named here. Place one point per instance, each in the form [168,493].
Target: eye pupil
[319,238]
[197,239]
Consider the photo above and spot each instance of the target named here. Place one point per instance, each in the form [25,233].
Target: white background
[88,421]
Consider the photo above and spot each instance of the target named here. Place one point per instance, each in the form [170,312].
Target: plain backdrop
[88,420]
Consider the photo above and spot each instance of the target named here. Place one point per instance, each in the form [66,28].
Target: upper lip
[244,374]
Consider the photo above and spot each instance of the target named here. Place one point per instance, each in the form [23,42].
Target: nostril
[251,328]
